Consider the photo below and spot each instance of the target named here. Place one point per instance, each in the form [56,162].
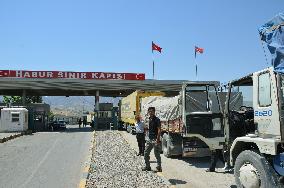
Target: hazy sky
[115,36]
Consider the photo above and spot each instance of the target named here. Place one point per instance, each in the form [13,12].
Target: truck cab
[253,119]
[202,114]
[192,122]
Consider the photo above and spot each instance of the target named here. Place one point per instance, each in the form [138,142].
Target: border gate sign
[71,75]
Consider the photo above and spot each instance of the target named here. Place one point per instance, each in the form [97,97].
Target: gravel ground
[115,164]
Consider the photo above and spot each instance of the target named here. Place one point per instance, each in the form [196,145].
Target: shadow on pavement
[72,129]
[177,182]
[77,129]
[198,162]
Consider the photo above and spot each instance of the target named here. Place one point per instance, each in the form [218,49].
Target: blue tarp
[273,34]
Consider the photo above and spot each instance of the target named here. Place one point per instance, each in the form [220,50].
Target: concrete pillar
[97,100]
[97,108]
[24,94]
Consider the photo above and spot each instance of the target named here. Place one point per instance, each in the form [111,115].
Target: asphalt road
[188,172]
[45,159]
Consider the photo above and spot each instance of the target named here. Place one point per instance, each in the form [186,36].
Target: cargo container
[130,106]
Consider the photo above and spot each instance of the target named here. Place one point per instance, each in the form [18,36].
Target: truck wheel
[165,146]
[254,171]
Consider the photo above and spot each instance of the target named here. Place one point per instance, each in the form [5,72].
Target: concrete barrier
[12,136]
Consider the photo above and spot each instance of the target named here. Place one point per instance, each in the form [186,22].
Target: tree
[12,99]
[50,116]
[18,99]
[33,99]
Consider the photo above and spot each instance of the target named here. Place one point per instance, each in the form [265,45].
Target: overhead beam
[79,87]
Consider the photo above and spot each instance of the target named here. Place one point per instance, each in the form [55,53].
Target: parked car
[58,125]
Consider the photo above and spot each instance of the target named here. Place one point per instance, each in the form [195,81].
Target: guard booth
[14,120]
[106,117]
[38,116]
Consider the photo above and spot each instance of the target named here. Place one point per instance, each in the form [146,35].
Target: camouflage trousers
[150,144]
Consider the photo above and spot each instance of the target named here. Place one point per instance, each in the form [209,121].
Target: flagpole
[195,63]
[153,69]
[153,66]
[196,70]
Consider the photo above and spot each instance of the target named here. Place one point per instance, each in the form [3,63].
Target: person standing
[80,122]
[140,136]
[221,155]
[84,122]
[153,140]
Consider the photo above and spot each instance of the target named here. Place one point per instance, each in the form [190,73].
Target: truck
[106,117]
[254,124]
[130,106]
[254,129]
[192,122]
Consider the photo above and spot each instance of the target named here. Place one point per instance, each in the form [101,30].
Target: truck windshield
[201,99]
[240,95]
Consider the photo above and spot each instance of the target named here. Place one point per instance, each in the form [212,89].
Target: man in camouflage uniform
[153,140]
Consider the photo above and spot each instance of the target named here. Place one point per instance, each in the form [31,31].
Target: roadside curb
[87,168]
[5,139]
[160,174]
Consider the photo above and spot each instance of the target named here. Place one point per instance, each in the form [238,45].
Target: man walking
[84,122]
[153,141]
[140,136]
[80,123]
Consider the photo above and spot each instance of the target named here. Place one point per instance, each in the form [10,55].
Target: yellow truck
[130,106]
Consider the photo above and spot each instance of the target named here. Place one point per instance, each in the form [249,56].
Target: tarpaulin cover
[272,33]
[169,108]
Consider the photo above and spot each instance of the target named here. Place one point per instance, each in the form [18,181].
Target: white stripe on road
[39,164]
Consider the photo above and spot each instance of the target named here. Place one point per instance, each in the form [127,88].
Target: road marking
[85,173]
[160,174]
[82,183]
[86,169]
[39,164]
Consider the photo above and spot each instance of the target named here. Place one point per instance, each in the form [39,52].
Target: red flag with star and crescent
[198,50]
[156,47]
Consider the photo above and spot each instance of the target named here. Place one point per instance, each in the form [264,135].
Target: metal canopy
[81,87]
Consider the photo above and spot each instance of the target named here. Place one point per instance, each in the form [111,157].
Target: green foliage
[50,115]
[12,99]
[18,99]
[33,99]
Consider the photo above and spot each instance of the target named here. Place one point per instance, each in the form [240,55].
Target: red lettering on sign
[71,75]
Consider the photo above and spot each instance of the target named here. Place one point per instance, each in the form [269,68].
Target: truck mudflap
[278,164]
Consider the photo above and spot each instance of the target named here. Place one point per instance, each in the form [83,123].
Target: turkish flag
[199,50]
[156,47]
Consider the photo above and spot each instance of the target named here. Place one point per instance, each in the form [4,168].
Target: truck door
[266,113]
